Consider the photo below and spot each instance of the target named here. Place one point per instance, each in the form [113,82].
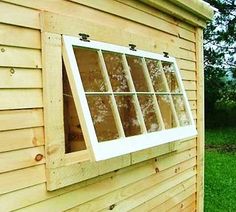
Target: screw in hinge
[166,54]
[132,47]
[84,37]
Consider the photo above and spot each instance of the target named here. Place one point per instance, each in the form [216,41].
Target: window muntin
[127,100]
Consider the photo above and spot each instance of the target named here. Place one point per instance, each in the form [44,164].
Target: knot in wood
[38,157]
[112,206]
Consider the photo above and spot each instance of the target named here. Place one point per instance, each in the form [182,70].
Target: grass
[220,170]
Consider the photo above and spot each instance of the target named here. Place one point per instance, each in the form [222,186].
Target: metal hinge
[166,54]
[84,37]
[132,47]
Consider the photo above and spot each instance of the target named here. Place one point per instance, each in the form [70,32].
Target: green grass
[220,171]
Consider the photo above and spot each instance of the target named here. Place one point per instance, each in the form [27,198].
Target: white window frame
[109,149]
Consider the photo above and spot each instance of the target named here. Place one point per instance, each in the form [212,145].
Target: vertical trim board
[200,120]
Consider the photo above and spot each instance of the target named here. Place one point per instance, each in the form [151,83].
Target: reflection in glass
[181,110]
[116,72]
[149,115]
[136,70]
[128,115]
[169,71]
[166,112]
[90,69]
[154,70]
[102,116]
[74,139]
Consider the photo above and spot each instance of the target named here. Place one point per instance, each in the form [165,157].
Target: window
[125,100]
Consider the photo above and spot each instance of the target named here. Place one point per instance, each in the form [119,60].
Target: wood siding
[159,178]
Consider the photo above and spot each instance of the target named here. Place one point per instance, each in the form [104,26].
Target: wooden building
[50,159]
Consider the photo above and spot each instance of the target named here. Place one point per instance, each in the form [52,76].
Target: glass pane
[90,70]
[181,110]
[169,71]
[166,112]
[74,140]
[116,72]
[128,115]
[102,116]
[149,115]
[155,75]
[136,69]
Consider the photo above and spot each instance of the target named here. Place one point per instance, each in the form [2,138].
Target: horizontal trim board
[29,38]
[162,150]
[20,98]
[139,16]
[20,16]
[67,175]
[20,78]
[131,32]
[19,139]
[20,159]
[125,11]
[20,57]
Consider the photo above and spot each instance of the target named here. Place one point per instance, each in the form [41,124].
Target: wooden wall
[158,179]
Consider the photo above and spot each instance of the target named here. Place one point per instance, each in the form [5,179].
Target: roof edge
[196,12]
[198,7]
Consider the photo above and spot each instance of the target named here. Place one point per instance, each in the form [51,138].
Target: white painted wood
[125,145]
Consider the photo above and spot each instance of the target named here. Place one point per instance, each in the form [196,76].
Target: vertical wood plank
[200,120]
[53,99]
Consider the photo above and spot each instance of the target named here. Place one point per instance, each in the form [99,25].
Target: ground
[220,170]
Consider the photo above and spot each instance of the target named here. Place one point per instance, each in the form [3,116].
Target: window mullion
[113,101]
[150,87]
[180,82]
[171,99]
[132,89]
